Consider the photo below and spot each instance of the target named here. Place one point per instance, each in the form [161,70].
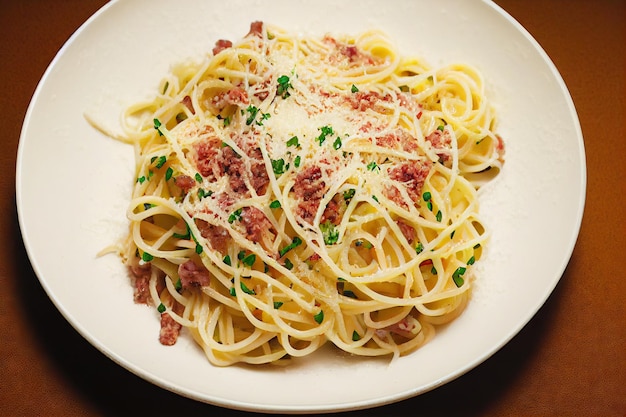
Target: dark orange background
[570,360]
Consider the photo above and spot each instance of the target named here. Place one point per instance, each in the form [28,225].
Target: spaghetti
[295,190]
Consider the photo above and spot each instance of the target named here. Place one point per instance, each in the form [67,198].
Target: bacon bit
[395,195]
[256,223]
[399,138]
[234,97]
[221,45]
[206,154]
[259,177]
[309,188]
[407,230]
[184,182]
[170,330]
[440,141]
[217,236]
[256,29]
[334,211]
[419,115]
[187,102]
[500,148]
[193,276]
[364,100]
[233,166]
[258,314]
[315,257]
[402,328]
[140,275]
[412,174]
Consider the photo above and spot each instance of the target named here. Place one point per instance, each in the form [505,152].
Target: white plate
[73,186]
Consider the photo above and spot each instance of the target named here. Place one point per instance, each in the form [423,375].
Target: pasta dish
[293,190]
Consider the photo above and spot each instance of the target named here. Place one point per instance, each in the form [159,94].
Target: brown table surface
[569,360]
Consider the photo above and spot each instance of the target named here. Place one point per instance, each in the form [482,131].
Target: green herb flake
[288,264]
[319,317]
[438,216]
[165,87]
[227,260]
[337,143]
[178,285]
[325,131]
[419,248]
[252,112]
[161,308]
[233,292]
[146,257]
[471,260]
[157,126]
[283,86]
[278,304]
[198,177]
[355,336]
[245,289]
[457,276]
[293,142]
[235,216]
[278,165]
[433,270]
[330,233]
[349,294]
[296,241]
[349,194]
[161,161]
[249,260]
[372,166]
[440,128]
[427,196]
[275,204]
[296,161]
[199,248]
[169,173]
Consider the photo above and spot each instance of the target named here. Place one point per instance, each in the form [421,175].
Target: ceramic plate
[73,185]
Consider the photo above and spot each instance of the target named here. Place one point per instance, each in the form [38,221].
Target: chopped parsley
[355,336]
[372,166]
[330,233]
[319,317]
[457,276]
[157,126]
[235,215]
[283,86]
[275,204]
[278,165]
[169,173]
[245,289]
[347,195]
[354,89]
[249,260]
[294,244]
[325,131]
[296,161]
[161,308]
[288,264]
[337,143]
[278,304]
[293,142]
[419,248]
